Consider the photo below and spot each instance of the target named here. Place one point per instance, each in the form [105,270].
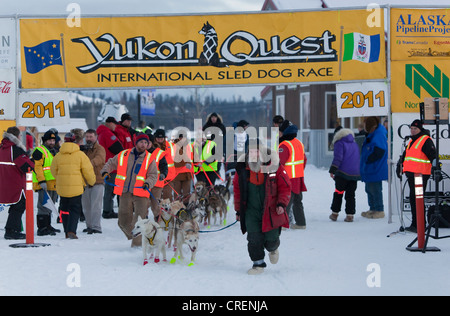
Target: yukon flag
[48,203]
[365,48]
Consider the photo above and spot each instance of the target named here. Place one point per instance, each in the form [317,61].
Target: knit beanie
[142,136]
[418,124]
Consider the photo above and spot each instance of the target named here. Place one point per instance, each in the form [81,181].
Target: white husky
[186,233]
[152,238]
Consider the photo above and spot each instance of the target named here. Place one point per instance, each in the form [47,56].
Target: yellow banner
[420,33]
[413,81]
[257,48]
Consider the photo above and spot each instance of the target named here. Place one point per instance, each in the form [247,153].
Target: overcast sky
[129,6]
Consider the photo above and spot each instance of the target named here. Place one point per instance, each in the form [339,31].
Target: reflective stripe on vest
[46,166]
[122,174]
[295,164]
[206,153]
[156,156]
[415,160]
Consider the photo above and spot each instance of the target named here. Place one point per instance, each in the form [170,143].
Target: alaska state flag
[41,56]
[365,48]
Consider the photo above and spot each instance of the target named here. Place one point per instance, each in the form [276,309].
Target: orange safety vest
[294,166]
[122,174]
[415,160]
[157,155]
[183,156]
[170,153]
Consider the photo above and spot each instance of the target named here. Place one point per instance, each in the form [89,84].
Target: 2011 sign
[39,110]
[43,109]
[361,99]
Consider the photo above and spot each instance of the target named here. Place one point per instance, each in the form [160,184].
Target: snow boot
[334,216]
[274,256]
[348,218]
[42,224]
[13,235]
[257,268]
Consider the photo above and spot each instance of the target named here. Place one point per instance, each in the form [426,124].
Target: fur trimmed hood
[14,140]
[342,133]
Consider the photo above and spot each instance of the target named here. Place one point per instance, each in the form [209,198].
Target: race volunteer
[293,159]
[417,158]
[136,175]
[43,180]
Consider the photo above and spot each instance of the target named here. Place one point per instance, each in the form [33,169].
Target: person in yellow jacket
[72,170]
[136,175]
[43,180]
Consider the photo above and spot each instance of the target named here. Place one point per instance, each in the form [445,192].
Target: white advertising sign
[7,43]
[43,108]
[7,94]
[362,99]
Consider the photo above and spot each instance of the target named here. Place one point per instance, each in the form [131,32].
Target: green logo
[417,77]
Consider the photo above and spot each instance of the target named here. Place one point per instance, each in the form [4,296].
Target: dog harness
[150,240]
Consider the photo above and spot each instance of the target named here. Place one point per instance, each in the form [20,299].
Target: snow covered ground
[328,258]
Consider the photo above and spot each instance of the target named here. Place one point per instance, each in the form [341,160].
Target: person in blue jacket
[374,165]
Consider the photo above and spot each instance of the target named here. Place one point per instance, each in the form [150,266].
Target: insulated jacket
[135,161]
[42,161]
[72,170]
[109,141]
[297,184]
[96,155]
[374,155]
[14,164]
[277,193]
[419,154]
[124,136]
[346,158]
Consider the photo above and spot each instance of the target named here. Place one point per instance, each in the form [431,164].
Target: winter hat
[69,137]
[370,123]
[284,125]
[48,135]
[243,123]
[111,119]
[142,136]
[160,133]
[418,124]
[278,119]
[125,116]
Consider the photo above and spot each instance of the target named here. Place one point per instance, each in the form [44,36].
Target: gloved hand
[106,176]
[161,177]
[399,169]
[43,185]
[188,166]
[146,186]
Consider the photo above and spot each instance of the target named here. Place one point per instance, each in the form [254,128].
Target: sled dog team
[179,220]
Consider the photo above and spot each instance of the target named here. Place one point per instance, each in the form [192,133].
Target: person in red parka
[108,140]
[14,164]
[262,191]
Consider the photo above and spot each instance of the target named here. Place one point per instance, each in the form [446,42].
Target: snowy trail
[328,258]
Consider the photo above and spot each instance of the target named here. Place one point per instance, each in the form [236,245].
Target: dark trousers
[70,213]
[412,195]
[347,187]
[258,241]
[295,209]
[108,196]
[15,212]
